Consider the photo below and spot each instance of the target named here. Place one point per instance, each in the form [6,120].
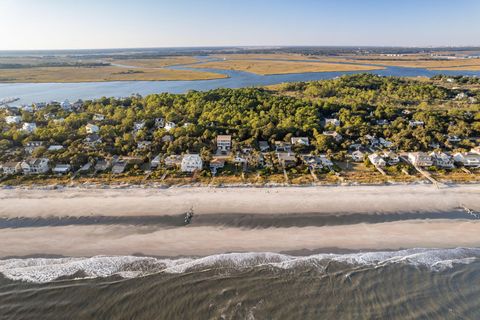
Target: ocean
[404,284]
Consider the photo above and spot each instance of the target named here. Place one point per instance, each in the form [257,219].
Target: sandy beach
[172,201]
[228,234]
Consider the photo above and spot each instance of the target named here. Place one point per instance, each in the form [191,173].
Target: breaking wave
[42,270]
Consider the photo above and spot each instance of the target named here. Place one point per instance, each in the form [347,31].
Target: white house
[475,150]
[414,123]
[137,126]
[35,166]
[55,148]
[442,160]
[29,127]
[170,125]
[98,117]
[377,160]
[9,168]
[302,141]
[13,119]
[334,122]
[91,128]
[357,156]
[468,159]
[62,169]
[420,159]
[191,163]
[224,143]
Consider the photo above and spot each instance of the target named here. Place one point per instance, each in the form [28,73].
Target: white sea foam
[41,270]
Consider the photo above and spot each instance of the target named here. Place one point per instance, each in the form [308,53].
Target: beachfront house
[326,162]
[102,165]
[301,141]
[91,128]
[173,161]
[13,119]
[215,164]
[377,160]
[156,161]
[35,166]
[119,167]
[10,168]
[442,160]
[61,169]
[391,158]
[224,144]
[420,159]
[191,163]
[29,127]
[312,161]
[286,159]
[467,159]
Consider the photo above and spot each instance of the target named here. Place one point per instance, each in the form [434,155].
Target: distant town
[358,129]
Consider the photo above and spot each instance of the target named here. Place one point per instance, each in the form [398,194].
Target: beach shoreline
[219,226]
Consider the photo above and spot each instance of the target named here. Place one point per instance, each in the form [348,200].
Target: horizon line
[253,46]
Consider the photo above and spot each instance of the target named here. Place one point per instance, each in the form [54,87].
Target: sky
[97,24]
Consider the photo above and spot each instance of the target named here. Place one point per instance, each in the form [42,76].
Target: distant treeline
[50,65]
[155,53]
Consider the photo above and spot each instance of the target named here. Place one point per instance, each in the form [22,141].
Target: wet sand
[200,241]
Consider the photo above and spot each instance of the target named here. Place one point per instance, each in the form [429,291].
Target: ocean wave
[42,270]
